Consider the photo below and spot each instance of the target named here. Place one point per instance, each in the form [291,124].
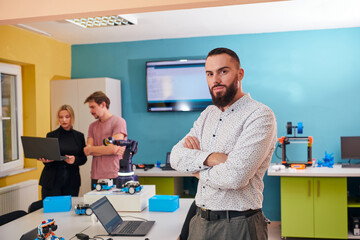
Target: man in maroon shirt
[105,163]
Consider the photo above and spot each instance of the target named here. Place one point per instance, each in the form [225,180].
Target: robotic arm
[126,172]
[131,145]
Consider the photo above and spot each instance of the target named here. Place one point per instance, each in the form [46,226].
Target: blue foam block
[57,204]
[163,203]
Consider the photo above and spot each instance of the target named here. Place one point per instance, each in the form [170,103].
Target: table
[169,182]
[314,201]
[167,225]
[158,172]
[336,171]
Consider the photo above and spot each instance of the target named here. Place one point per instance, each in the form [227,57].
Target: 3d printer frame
[286,140]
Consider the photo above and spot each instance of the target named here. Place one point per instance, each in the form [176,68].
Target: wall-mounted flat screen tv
[177,86]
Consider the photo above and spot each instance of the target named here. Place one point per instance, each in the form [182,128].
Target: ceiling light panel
[105,21]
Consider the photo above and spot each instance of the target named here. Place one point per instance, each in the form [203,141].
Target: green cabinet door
[163,185]
[330,208]
[297,207]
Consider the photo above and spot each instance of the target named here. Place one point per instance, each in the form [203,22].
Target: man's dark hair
[231,53]
[98,97]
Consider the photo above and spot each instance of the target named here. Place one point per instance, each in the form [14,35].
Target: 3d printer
[284,141]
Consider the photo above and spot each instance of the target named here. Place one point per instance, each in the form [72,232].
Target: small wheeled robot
[104,184]
[83,209]
[131,187]
[46,229]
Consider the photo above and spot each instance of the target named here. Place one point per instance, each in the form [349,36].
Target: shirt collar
[238,104]
[63,130]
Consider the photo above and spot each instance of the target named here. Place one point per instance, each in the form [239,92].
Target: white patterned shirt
[246,132]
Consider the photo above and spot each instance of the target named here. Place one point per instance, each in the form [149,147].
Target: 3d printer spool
[289,128]
[300,127]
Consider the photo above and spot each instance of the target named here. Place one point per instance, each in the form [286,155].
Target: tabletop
[335,171]
[167,224]
[158,172]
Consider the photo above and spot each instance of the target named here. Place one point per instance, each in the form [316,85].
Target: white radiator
[18,196]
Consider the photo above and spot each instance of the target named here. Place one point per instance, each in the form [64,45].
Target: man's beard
[227,97]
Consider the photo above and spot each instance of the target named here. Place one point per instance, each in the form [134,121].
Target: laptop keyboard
[130,227]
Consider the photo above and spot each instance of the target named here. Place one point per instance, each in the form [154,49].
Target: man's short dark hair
[98,97]
[231,53]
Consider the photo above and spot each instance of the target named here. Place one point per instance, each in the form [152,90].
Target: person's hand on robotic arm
[116,150]
[108,149]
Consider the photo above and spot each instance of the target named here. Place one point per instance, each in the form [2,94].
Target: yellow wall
[42,59]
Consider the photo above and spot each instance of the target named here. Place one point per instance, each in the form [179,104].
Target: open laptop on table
[37,147]
[113,223]
[30,235]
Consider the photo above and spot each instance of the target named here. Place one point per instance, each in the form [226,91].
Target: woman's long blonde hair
[70,110]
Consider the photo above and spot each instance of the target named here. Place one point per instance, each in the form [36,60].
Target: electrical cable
[81,232]
[276,150]
[98,236]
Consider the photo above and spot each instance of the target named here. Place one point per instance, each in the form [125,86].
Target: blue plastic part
[327,161]
[126,189]
[158,164]
[57,204]
[163,203]
[80,211]
[104,187]
[300,127]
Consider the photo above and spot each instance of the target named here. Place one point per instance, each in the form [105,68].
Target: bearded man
[229,150]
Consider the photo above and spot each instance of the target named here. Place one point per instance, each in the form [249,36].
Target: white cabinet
[74,92]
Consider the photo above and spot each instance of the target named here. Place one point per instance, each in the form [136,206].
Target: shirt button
[232,110]
[203,186]
[200,167]
[213,135]
[220,119]
[187,170]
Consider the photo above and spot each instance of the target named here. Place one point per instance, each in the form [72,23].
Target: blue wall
[307,76]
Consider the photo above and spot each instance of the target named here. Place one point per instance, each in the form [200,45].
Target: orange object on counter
[298,166]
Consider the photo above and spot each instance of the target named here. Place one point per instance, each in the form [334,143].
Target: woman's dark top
[57,173]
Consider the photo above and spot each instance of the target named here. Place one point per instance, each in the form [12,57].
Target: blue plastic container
[57,204]
[163,203]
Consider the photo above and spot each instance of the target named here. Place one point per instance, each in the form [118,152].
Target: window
[11,155]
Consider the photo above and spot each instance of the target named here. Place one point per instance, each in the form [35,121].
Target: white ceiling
[252,18]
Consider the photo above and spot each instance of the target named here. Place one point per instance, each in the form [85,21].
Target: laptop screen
[30,235]
[168,158]
[106,214]
[37,147]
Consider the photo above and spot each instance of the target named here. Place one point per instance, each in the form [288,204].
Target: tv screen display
[177,86]
[350,147]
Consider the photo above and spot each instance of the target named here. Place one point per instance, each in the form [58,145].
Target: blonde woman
[63,177]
